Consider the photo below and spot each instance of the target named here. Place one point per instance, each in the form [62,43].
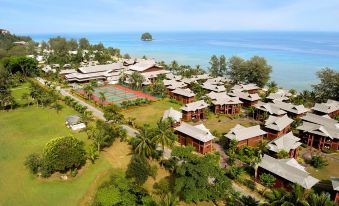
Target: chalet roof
[199,132]
[271,108]
[176,84]
[240,133]
[217,80]
[80,77]
[328,107]
[289,107]
[321,120]
[245,87]
[100,68]
[212,87]
[143,65]
[245,95]
[278,96]
[184,92]
[288,169]
[72,119]
[172,113]
[67,71]
[194,106]
[226,100]
[325,131]
[189,80]
[154,74]
[335,183]
[172,76]
[286,142]
[278,123]
[215,95]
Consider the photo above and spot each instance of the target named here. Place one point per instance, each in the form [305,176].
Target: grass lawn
[331,170]
[223,124]
[150,113]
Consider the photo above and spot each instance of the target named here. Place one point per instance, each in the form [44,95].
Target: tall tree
[257,71]
[84,43]
[236,69]
[218,66]
[328,88]
[143,144]
[136,80]
[164,134]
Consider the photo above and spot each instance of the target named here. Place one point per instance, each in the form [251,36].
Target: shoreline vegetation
[142,175]
[146,37]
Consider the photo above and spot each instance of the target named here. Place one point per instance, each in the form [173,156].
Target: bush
[33,163]
[139,169]
[64,153]
[74,172]
[282,154]
[318,162]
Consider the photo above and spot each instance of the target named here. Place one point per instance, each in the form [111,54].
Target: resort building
[183,95]
[319,132]
[172,85]
[330,108]
[335,185]
[194,111]
[249,136]
[287,142]
[248,99]
[173,114]
[214,88]
[198,136]
[262,110]
[277,126]
[281,95]
[249,88]
[293,111]
[224,104]
[286,171]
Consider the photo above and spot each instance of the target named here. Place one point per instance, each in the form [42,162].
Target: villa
[288,142]
[293,111]
[224,104]
[249,88]
[286,171]
[281,95]
[278,108]
[183,95]
[173,114]
[330,108]
[248,99]
[194,111]
[213,88]
[263,109]
[249,136]
[277,126]
[319,132]
[198,136]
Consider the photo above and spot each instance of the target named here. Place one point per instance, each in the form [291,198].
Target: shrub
[74,172]
[64,153]
[282,154]
[139,169]
[250,184]
[318,162]
[33,163]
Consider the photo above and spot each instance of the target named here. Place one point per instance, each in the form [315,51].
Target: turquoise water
[294,56]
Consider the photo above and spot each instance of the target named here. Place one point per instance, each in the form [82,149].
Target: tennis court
[115,94]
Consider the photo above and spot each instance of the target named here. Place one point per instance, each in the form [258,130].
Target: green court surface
[121,97]
[118,91]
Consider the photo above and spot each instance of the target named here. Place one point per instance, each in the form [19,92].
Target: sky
[66,16]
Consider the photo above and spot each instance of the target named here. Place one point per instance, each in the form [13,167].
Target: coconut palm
[298,196]
[136,80]
[164,134]
[170,199]
[88,89]
[102,97]
[255,163]
[324,199]
[142,143]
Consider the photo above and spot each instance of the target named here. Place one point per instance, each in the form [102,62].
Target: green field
[151,113]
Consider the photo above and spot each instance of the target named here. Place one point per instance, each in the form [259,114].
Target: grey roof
[245,87]
[328,107]
[143,65]
[321,120]
[67,71]
[288,169]
[289,107]
[172,113]
[335,183]
[215,88]
[271,108]
[72,119]
[286,142]
[176,84]
[184,92]
[240,133]
[226,100]
[278,96]
[201,104]
[278,123]
[325,131]
[101,68]
[245,95]
[199,132]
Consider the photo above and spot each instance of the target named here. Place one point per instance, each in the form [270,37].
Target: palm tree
[255,163]
[324,199]
[277,197]
[142,143]
[251,111]
[170,199]
[102,97]
[88,90]
[298,196]
[164,134]
[136,80]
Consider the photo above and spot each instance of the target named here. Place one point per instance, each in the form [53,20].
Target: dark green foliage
[318,162]
[267,180]
[218,66]
[143,144]
[24,65]
[112,114]
[234,172]
[121,191]
[64,153]
[33,162]
[249,201]
[146,37]
[282,154]
[328,88]
[139,169]
[136,102]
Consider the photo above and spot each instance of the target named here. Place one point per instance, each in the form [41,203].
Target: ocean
[294,56]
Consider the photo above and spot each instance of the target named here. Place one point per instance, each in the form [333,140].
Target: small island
[146,37]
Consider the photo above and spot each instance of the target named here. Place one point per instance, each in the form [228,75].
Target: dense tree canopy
[24,65]
[328,88]
[146,37]
[218,66]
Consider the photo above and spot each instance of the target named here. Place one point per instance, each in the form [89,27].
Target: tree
[249,201]
[33,162]
[164,134]
[218,66]
[112,114]
[136,80]
[199,178]
[318,162]
[272,87]
[169,199]
[24,65]
[236,69]
[64,153]
[267,180]
[84,43]
[92,153]
[282,154]
[328,88]
[146,37]
[139,169]
[88,89]
[143,144]
[257,71]
[57,106]
[98,135]
[322,199]
[102,97]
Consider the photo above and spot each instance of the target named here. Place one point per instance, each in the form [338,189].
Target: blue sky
[65,16]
